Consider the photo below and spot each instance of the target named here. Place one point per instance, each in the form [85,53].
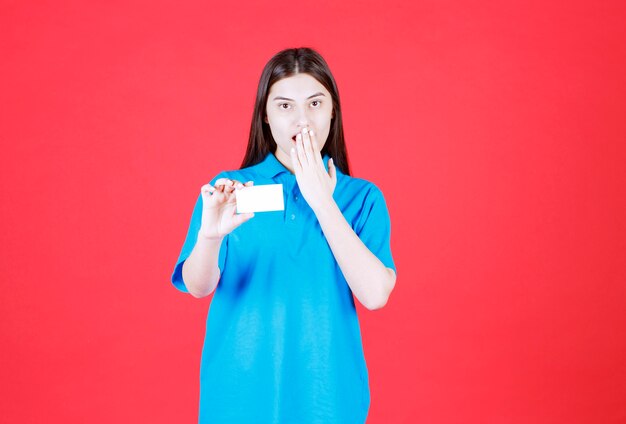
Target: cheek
[327,126]
[276,123]
[324,120]
[322,137]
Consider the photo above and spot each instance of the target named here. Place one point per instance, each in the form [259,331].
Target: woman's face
[294,103]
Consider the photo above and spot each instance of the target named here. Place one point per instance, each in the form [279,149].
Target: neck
[284,159]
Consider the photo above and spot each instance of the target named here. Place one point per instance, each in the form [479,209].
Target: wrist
[325,208]
[207,237]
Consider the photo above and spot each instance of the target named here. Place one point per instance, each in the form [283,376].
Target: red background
[495,129]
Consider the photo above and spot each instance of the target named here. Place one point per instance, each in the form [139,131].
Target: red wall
[495,129]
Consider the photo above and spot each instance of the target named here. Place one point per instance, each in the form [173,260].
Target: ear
[265,119]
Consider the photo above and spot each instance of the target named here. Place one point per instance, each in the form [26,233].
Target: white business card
[262,198]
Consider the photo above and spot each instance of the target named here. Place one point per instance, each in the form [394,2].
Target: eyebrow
[291,100]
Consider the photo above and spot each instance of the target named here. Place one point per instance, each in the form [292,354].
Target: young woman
[283,343]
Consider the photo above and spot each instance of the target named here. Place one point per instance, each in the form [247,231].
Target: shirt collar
[271,166]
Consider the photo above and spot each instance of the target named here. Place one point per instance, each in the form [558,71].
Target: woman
[283,343]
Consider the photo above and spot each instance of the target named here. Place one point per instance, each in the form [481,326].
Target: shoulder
[362,204]
[357,187]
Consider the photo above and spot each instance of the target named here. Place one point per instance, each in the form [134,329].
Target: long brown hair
[284,64]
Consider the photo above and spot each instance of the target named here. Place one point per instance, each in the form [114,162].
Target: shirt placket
[293,198]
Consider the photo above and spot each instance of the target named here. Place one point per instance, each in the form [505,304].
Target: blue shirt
[283,342]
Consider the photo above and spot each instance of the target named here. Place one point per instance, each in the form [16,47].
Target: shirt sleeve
[374,227]
[190,242]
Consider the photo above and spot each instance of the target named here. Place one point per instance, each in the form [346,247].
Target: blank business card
[262,198]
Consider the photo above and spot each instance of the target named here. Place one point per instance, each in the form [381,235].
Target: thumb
[240,218]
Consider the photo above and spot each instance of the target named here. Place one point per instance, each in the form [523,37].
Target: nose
[303,120]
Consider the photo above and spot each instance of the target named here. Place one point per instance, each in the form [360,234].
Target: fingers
[236,185]
[222,185]
[295,162]
[307,148]
[226,185]
[222,190]
[313,149]
[212,196]
[332,171]
[223,182]
[207,189]
[300,151]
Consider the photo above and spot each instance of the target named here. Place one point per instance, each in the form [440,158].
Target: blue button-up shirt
[283,342]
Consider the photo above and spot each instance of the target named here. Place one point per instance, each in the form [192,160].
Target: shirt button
[296,197]
[293,216]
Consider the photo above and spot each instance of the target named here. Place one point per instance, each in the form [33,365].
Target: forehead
[298,87]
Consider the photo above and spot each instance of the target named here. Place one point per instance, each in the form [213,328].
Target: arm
[200,270]
[370,281]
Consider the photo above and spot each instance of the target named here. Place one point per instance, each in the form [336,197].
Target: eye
[317,103]
[283,104]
